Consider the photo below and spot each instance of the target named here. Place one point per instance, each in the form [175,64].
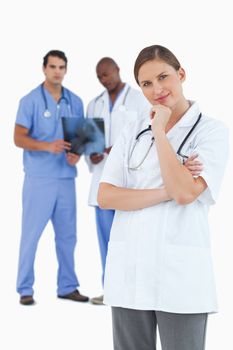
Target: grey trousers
[136,330]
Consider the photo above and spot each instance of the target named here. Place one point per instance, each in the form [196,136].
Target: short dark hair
[54,53]
[107,60]
[155,52]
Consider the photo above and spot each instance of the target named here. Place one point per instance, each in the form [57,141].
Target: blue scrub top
[31,116]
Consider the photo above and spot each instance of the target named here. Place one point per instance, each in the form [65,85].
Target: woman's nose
[157,88]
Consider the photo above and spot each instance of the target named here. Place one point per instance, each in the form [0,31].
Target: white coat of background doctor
[118,104]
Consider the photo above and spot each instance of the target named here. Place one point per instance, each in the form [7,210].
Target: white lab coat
[129,106]
[159,258]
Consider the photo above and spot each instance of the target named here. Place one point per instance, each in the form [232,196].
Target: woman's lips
[161,98]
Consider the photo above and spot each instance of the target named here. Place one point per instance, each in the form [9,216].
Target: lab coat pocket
[188,279]
[114,272]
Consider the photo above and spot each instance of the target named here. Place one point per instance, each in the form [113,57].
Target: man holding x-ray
[49,183]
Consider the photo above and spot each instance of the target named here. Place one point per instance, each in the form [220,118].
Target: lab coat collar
[120,97]
[105,97]
[187,121]
[190,117]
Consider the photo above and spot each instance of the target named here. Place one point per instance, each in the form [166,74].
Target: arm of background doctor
[23,140]
[178,181]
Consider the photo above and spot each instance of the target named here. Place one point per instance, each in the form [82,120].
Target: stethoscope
[121,107]
[179,151]
[47,113]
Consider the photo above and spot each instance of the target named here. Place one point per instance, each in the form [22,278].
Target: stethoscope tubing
[184,140]
[47,113]
[152,141]
[100,96]
[99,114]
[189,133]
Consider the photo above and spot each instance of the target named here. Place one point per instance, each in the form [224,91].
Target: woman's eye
[147,83]
[162,77]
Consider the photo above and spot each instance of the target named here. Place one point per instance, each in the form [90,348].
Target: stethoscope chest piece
[47,113]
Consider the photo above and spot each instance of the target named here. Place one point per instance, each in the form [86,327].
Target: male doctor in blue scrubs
[49,183]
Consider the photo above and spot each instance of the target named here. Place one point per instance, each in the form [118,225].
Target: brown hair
[155,52]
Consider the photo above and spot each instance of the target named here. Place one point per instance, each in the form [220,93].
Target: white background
[199,33]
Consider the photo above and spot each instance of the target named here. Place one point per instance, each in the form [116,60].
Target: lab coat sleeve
[212,151]
[114,169]
[24,115]
[90,165]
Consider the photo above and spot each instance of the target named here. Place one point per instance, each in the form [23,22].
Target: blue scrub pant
[104,219]
[47,199]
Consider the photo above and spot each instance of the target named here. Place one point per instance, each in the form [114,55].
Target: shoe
[27,300]
[75,296]
[98,300]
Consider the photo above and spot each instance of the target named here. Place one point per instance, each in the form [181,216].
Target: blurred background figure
[49,183]
[118,105]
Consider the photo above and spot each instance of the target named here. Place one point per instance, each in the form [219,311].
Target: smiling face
[161,83]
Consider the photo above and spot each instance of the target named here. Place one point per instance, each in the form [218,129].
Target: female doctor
[159,269]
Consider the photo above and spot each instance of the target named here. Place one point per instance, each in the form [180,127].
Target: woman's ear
[182,74]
